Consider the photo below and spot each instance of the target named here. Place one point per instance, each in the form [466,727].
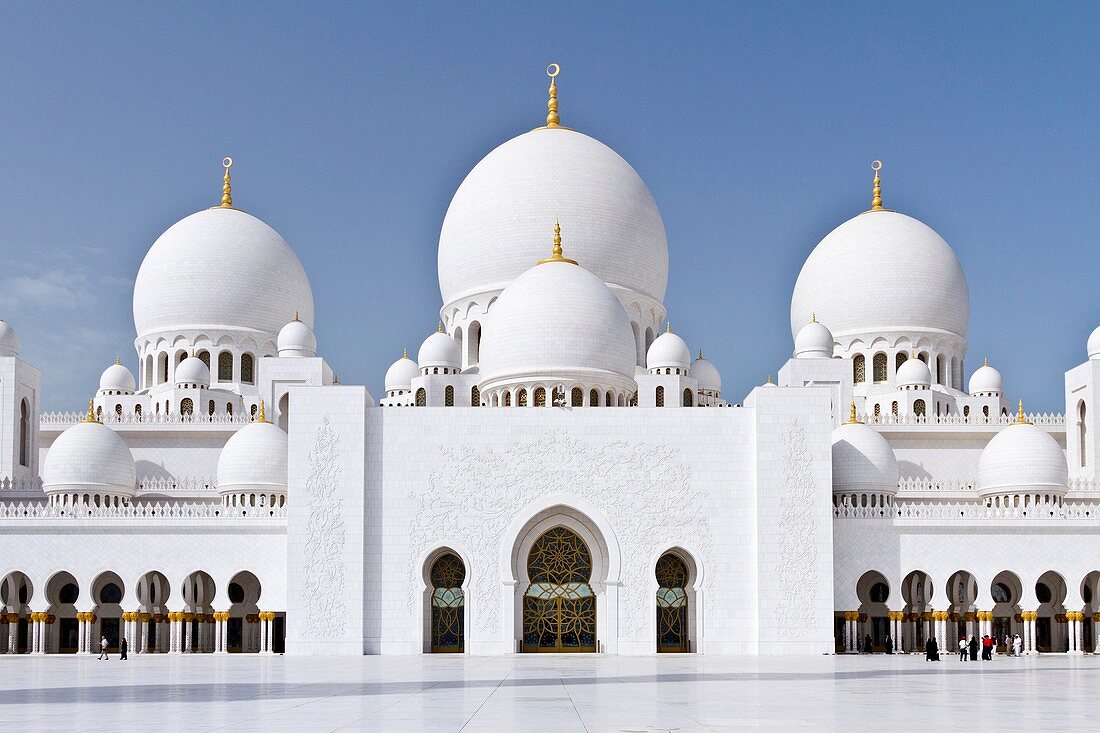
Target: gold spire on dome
[90,417]
[876,193]
[1020,419]
[262,416]
[985,361]
[405,352]
[117,360]
[557,255]
[852,419]
[552,119]
[813,318]
[769,379]
[668,326]
[296,317]
[700,353]
[439,327]
[227,189]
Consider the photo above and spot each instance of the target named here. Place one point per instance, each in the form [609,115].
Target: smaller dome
[986,379]
[668,351]
[9,342]
[813,341]
[193,370]
[706,374]
[117,378]
[1094,344]
[297,339]
[439,350]
[89,457]
[254,460]
[914,373]
[863,460]
[401,373]
[1022,457]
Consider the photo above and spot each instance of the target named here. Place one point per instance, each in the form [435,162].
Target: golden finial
[439,327]
[296,316]
[335,378]
[1020,419]
[117,360]
[700,353]
[405,352]
[227,190]
[90,417]
[852,419]
[985,361]
[557,256]
[668,326]
[262,417]
[876,194]
[552,119]
[769,379]
[813,318]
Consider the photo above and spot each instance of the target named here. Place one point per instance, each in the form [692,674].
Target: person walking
[867,644]
[962,648]
[931,650]
[122,649]
[987,646]
[1017,645]
[103,647]
[973,648]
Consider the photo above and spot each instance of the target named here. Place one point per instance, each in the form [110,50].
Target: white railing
[970,510]
[919,486]
[22,485]
[160,510]
[169,485]
[62,419]
[1036,418]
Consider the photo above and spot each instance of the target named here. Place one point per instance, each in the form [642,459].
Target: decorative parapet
[916,486]
[65,419]
[21,485]
[1036,418]
[176,485]
[159,510]
[1089,510]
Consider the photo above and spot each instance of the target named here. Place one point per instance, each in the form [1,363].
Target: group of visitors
[103,648]
[969,648]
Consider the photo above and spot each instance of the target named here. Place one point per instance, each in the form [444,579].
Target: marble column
[13,633]
[89,640]
[143,633]
[851,617]
[50,620]
[187,631]
[219,631]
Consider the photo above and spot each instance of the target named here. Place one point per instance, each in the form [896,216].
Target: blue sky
[352,125]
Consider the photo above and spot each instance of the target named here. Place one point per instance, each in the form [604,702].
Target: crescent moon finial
[876,192]
[552,119]
[227,189]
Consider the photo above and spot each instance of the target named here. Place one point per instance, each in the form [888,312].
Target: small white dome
[89,457]
[1094,344]
[986,379]
[558,320]
[254,460]
[117,378]
[706,374]
[439,350]
[1022,458]
[401,373]
[668,350]
[9,341]
[863,461]
[297,339]
[813,341]
[914,373]
[193,370]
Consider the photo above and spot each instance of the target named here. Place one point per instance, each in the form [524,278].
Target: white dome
[986,379]
[863,460]
[439,350]
[557,320]
[1022,457]
[401,373]
[220,270]
[706,374]
[668,350]
[117,378]
[89,457]
[1094,344]
[9,341]
[193,370]
[297,339]
[254,459]
[882,272]
[813,341]
[914,373]
[498,218]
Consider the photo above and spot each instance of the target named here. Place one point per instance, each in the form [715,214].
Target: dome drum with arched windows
[439,354]
[400,375]
[668,352]
[296,339]
[89,464]
[863,461]
[1023,459]
[117,380]
[192,373]
[252,467]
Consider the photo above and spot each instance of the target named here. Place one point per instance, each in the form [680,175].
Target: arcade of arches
[71,618]
[903,619]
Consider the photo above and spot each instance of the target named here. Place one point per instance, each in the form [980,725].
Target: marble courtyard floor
[545,693]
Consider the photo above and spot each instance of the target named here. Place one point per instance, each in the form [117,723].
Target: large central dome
[497,221]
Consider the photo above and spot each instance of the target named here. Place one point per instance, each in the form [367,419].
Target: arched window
[252,411]
[137,411]
[163,359]
[449,396]
[878,410]
[660,397]
[687,398]
[204,357]
[24,433]
[521,398]
[1082,447]
[1001,593]
[576,397]
[540,397]
[475,397]
[557,396]
[247,363]
[923,356]
[210,408]
[187,406]
[610,400]
[966,411]
[421,397]
[507,399]
[859,369]
[894,409]
[939,369]
[228,408]
[594,399]
[919,408]
[225,367]
[448,604]
[879,365]
[118,412]
[672,605]
[900,358]
[879,592]
[99,413]
[985,411]
[559,607]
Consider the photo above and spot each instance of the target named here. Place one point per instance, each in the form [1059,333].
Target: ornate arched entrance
[448,604]
[559,607]
[672,604]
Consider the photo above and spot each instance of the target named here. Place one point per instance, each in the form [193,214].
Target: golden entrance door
[559,607]
[672,605]
[448,604]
